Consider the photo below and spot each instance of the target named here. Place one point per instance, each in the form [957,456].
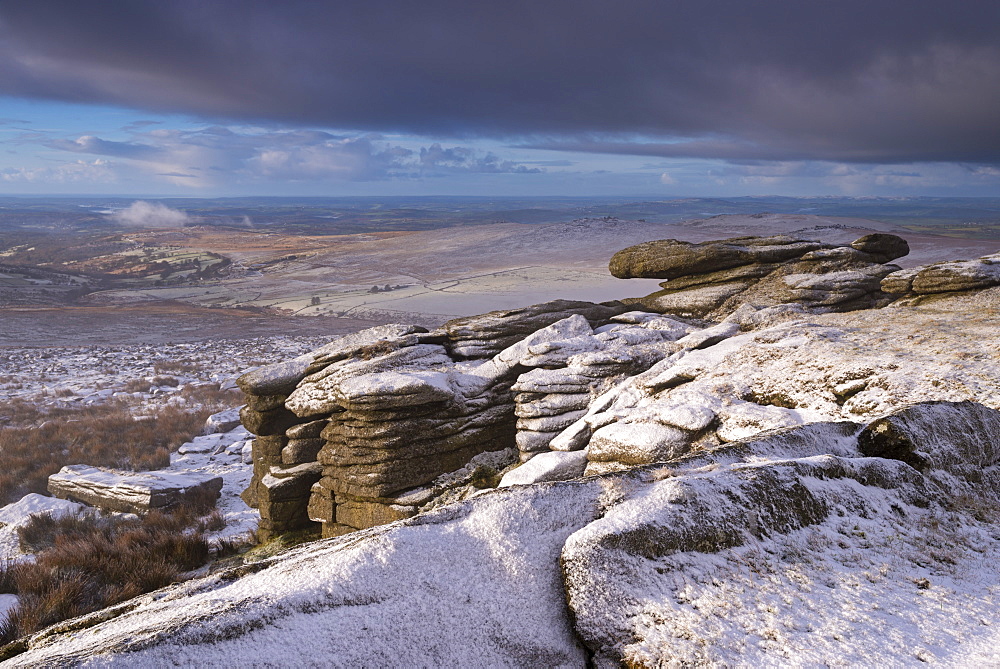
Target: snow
[7,602]
[551,466]
[397,389]
[17,514]
[741,420]
[92,374]
[845,591]
[472,584]
[231,466]
[212,443]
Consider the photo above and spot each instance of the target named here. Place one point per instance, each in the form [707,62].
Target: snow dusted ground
[17,514]
[82,376]
[222,454]
[89,374]
[479,583]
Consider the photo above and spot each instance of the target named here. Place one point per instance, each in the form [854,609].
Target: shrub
[87,562]
[177,367]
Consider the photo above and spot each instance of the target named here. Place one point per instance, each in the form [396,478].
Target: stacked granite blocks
[567,375]
[356,433]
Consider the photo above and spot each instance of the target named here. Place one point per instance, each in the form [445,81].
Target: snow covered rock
[754,563]
[961,439]
[915,284]
[570,373]
[549,466]
[33,504]
[224,421]
[637,443]
[832,367]
[280,378]
[483,336]
[713,279]
[130,492]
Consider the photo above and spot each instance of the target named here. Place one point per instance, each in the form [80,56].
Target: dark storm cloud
[853,80]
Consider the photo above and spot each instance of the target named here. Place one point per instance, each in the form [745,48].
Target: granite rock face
[567,375]
[373,426]
[483,336]
[713,279]
[956,442]
[919,284]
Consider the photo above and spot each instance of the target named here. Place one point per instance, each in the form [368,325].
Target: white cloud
[78,171]
[142,214]
[667,179]
[220,156]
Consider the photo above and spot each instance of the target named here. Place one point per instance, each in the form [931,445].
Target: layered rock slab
[131,492]
[928,282]
[483,336]
[391,409]
[713,279]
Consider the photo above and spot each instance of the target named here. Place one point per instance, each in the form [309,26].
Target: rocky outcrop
[956,443]
[719,385]
[919,284]
[131,492]
[713,279]
[567,375]
[682,536]
[483,336]
[361,431]
[734,555]
[372,428]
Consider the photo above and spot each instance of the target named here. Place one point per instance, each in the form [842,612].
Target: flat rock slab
[129,492]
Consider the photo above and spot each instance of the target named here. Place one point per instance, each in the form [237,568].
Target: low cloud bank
[142,214]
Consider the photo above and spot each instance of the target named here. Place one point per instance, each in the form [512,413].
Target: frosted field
[440,274]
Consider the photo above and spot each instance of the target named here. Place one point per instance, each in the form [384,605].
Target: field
[71,271]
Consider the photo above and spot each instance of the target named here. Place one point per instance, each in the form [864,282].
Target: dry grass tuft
[177,367]
[86,562]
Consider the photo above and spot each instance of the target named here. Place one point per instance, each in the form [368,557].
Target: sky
[645,98]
